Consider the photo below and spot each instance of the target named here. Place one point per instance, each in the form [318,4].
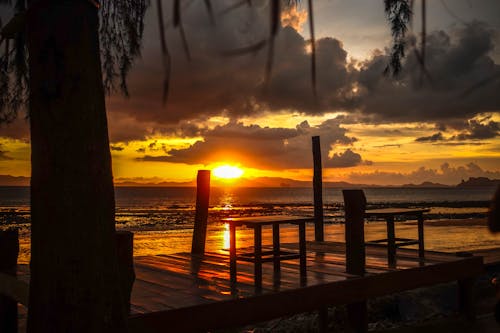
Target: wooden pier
[187,292]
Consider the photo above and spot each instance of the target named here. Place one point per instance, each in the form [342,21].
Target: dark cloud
[432,138]
[455,61]
[471,130]
[259,147]
[212,84]
[116,148]
[18,129]
[479,131]
[345,160]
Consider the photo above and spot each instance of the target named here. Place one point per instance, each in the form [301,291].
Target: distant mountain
[479,182]
[8,180]
[152,184]
[425,185]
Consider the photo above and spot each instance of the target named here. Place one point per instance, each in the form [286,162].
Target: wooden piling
[126,273]
[9,250]
[355,205]
[201,216]
[318,191]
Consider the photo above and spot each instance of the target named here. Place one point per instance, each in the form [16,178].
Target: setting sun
[227,172]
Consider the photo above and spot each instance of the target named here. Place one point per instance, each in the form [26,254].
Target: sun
[227,172]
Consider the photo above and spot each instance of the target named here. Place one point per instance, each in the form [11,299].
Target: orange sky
[373,129]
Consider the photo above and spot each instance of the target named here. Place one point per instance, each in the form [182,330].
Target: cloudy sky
[374,129]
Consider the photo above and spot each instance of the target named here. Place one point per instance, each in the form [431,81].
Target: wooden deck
[173,289]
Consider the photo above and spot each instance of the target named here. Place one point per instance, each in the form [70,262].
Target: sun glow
[227,172]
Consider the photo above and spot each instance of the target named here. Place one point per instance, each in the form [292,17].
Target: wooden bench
[392,242]
[276,254]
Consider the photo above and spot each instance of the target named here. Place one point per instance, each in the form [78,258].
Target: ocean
[165,208]
[162,217]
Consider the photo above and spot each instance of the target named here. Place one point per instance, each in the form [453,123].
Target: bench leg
[276,247]
[391,242]
[421,248]
[358,316]
[258,256]
[466,298]
[302,251]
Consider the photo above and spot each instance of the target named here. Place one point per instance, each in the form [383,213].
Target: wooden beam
[319,233]
[201,216]
[354,206]
[9,250]
[264,307]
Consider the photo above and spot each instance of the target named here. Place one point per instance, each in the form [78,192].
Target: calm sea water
[163,208]
[168,197]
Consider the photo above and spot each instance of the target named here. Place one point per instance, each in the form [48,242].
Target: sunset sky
[374,129]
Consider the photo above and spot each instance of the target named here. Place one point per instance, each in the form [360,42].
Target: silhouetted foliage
[398,14]
[121,30]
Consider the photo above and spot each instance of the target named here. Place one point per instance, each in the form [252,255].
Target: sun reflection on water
[226,236]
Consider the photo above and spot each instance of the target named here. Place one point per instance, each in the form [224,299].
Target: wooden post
[126,273]
[355,205]
[318,191]
[201,217]
[9,250]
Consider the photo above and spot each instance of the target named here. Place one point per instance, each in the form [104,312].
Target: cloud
[446,174]
[346,159]
[455,61]
[432,138]
[214,85]
[18,129]
[3,155]
[116,148]
[259,147]
[471,130]
[479,131]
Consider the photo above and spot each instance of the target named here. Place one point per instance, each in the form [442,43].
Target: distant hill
[425,185]
[151,184]
[8,180]
[479,182]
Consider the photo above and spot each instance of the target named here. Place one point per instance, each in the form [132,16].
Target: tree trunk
[73,285]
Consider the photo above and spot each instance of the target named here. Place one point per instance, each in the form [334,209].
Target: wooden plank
[252,221]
